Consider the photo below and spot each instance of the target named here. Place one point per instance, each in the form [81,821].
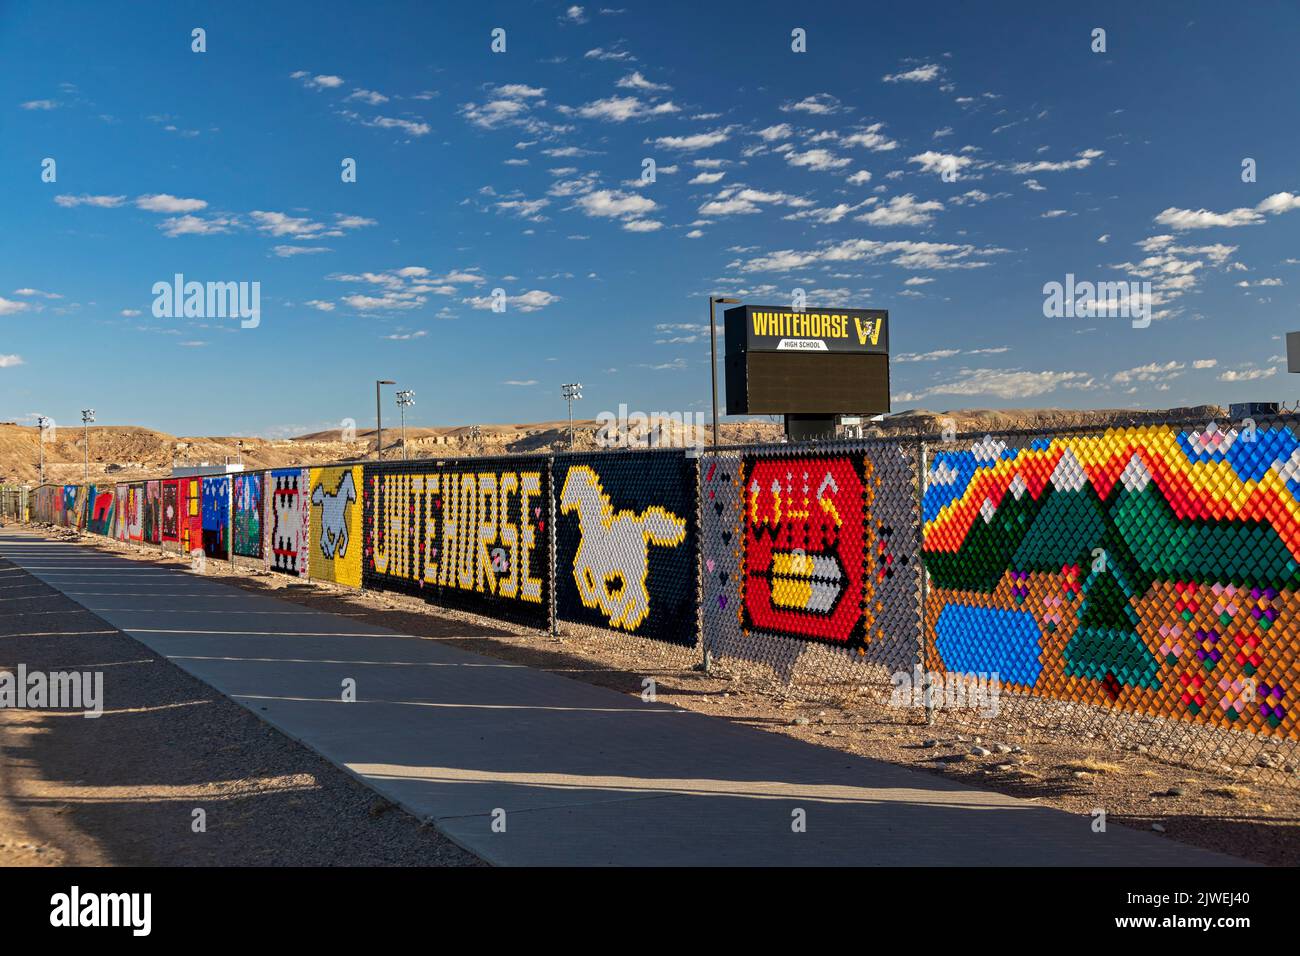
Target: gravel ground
[121,789]
[1246,815]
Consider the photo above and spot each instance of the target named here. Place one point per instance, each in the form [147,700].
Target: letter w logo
[870,330]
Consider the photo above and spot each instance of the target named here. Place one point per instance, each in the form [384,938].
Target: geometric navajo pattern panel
[247,499]
[216,517]
[135,508]
[288,521]
[191,517]
[170,510]
[121,511]
[1154,570]
[153,512]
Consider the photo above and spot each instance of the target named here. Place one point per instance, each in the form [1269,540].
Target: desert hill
[126,452]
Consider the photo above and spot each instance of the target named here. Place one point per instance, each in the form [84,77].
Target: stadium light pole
[87,416]
[405,398]
[379,421]
[571,392]
[713,356]
[41,423]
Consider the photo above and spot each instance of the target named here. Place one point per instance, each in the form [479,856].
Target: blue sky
[521,171]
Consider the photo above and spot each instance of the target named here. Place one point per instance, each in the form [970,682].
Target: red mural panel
[804,548]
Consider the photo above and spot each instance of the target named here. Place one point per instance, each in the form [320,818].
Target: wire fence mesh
[1131,584]
[1134,584]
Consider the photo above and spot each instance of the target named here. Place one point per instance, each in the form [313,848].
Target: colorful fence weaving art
[1152,570]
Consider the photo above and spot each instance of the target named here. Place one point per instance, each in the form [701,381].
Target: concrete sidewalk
[584,775]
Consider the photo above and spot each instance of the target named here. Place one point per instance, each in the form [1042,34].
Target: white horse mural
[613,557]
[333,515]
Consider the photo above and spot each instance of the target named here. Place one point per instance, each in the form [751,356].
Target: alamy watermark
[208,300]
[57,690]
[940,690]
[1098,300]
[624,429]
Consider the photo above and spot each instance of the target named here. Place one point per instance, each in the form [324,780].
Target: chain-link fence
[809,570]
[1134,584]
[1137,584]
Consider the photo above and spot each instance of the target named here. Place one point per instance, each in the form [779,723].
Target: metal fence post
[706,659]
[554,564]
[927,694]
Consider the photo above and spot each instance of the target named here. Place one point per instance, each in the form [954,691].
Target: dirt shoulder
[122,788]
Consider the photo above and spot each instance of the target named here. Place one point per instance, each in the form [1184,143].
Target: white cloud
[385,302]
[285,252]
[320,305]
[527,302]
[1247,374]
[1083,161]
[1205,363]
[820,160]
[908,254]
[620,109]
[529,209]
[921,74]
[522,383]
[773,133]
[611,202]
[1007,383]
[705,179]
[10,307]
[830,214]
[509,104]
[860,178]
[195,226]
[368,96]
[600,53]
[130,313]
[101,202]
[9,361]
[739,201]
[635,81]
[282,224]
[39,105]
[695,140]
[1151,372]
[162,202]
[642,225]
[819,104]
[935,162]
[871,138]
[412,127]
[1183,219]
[902,211]
[352,222]
[319,82]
